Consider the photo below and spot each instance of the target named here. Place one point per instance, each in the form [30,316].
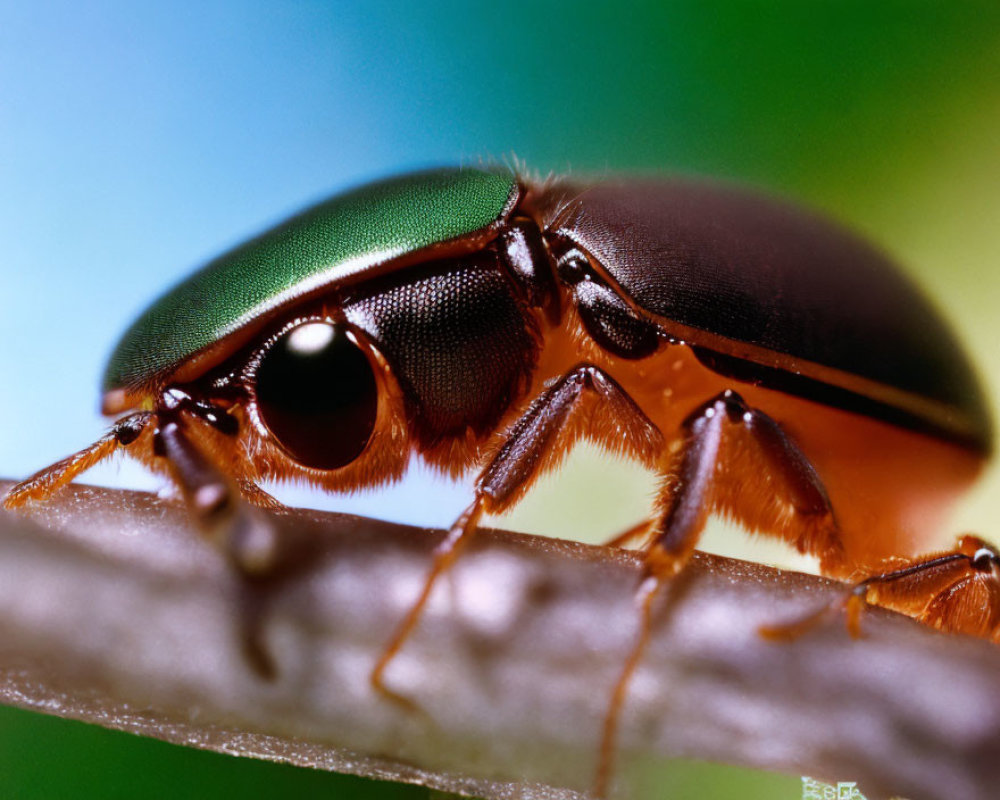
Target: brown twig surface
[111,611]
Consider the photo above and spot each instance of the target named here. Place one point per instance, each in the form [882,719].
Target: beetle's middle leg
[711,438]
[536,441]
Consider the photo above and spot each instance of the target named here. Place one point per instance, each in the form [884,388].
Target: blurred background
[138,141]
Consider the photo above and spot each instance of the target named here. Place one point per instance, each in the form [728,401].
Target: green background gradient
[137,142]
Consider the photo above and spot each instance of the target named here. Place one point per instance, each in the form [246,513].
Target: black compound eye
[316,394]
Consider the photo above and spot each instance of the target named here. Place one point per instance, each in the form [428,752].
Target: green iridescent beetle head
[339,239]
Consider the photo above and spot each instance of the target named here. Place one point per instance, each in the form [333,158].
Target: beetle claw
[407,704]
[790,631]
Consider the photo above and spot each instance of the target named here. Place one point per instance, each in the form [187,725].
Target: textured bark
[111,611]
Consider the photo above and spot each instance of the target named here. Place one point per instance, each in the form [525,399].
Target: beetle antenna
[45,482]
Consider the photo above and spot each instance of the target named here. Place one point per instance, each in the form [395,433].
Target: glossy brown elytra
[763,362]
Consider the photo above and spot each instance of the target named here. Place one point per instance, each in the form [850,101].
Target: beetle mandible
[764,362]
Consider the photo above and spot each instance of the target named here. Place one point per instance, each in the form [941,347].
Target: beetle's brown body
[893,452]
[764,363]
[891,488]
[768,284]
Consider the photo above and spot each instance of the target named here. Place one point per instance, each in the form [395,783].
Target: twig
[112,611]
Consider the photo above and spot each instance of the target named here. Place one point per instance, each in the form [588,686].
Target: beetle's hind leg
[955,591]
[46,482]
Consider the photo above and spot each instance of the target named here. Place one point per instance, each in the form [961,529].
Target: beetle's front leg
[536,441]
[243,535]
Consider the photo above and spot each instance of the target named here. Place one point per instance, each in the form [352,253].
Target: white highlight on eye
[311,338]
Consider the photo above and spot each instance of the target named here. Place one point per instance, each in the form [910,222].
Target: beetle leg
[636,533]
[689,499]
[798,477]
[956,591]
[244,536]
[444,556]
[46,481]
[675,540]
[206,492]
[687,508]
[547,427]
[970,604]
[537,436]
[257,497]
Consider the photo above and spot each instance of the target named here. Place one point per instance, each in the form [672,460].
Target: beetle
[765,363]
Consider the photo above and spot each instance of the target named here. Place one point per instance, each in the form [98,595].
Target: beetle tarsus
[444,556]
[789,632]
[636,533]
[645,597]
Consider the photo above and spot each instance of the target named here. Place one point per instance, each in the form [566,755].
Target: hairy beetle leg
[257,497]
[958,590]
[45,482]
[675,538]
[540,433]
[554,421]
[675,534]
